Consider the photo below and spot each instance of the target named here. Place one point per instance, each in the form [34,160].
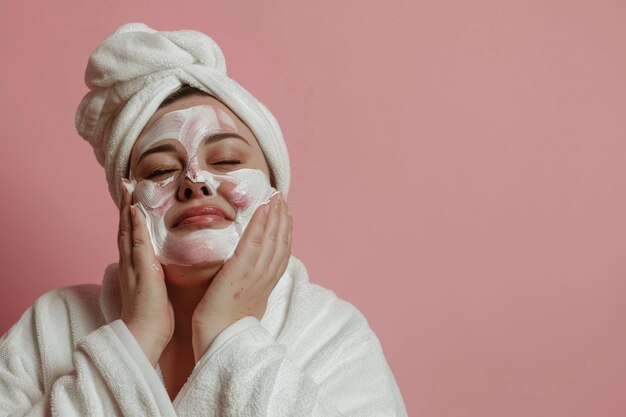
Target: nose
[189,189]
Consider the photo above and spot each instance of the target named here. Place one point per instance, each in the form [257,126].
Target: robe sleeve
[335,370]
[100,379]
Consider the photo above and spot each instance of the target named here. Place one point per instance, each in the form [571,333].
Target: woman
[206,312]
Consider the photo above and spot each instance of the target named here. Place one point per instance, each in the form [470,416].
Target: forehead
[227,119]
[186,102]
[189,126]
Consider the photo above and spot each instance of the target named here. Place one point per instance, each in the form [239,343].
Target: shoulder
[327,335]
[70,311]
[319,296]
[71,299]
[318,308]
[85,306]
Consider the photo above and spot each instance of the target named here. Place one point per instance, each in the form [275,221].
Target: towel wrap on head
[133,70]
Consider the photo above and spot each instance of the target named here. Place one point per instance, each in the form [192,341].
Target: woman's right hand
[146,309]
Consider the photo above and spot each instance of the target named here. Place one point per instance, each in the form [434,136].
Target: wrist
[151,345]
[204,334]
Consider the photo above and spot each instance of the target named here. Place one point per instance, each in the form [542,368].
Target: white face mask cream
[244,189]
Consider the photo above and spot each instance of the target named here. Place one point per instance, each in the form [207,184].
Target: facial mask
[244,190]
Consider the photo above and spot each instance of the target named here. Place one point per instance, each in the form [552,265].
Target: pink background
[459,174]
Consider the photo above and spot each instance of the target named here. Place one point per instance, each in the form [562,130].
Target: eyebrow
[209,140]
[161,148]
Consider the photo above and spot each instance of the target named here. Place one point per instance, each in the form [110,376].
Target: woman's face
[199,174]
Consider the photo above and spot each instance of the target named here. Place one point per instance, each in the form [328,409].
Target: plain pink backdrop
[459,174]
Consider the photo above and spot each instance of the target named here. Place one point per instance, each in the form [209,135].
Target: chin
[181,230]
[211,264]
[198,274]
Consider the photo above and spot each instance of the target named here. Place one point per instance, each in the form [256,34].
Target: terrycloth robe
[312,354]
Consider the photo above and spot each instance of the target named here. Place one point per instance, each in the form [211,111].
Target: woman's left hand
[244,283]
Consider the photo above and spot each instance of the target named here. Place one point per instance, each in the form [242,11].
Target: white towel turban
[135,69]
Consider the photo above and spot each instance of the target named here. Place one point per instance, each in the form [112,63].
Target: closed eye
[159,172]
[227,162]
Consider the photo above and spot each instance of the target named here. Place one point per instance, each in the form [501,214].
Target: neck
[186,285]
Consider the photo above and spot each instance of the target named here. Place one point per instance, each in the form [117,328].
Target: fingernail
[266,209]
[130,187]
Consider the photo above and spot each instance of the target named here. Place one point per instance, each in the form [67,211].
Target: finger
[124,235]
[281,271]
[144,259]
[252,239]
[283,245]
[270,238]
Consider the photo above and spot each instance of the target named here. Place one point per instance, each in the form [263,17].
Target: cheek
[241,200]
[156,197]
[238,197]
[253,188]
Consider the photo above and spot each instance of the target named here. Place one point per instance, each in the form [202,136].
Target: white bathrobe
[312,354]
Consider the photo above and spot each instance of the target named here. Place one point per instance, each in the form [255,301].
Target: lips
[200,215]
